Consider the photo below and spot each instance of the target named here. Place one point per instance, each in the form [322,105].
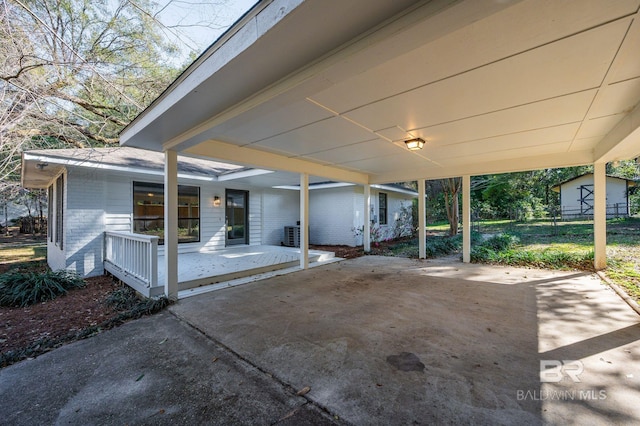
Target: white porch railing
[133,258]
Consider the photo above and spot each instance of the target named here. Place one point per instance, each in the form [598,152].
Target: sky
[196,24]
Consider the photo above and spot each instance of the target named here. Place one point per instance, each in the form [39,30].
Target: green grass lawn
[26,253]
[561,245]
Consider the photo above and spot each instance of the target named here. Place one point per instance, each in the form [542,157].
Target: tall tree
[73,73]
[451,189]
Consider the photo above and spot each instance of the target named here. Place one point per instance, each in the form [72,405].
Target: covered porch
[134,259]
[408,91]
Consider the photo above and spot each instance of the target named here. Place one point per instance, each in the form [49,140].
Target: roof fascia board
[316,186]
[254,158]
[394,189]
[567,159]
[344,184]
[243,174]
[111,167]
[623,141]
[591,174]
[24,173]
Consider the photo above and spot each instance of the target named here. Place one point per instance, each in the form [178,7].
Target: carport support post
[171,224]
[600,216]
[466,219]
[422,241]
[366,230]
[304,221]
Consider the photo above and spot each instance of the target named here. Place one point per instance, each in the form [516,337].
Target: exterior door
[237,217]
[586,199]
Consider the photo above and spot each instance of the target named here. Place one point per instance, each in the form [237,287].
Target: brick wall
[332,216]
[281,208]
[84,221]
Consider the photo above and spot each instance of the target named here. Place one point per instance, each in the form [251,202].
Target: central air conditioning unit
[292,236]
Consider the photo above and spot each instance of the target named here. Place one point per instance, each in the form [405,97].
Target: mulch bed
[346,252]
[66,315]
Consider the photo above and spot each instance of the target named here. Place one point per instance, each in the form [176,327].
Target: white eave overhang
[493,87]
[39,170]
[329,185]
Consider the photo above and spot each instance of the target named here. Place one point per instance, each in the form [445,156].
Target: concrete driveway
[396,341]
[374,340]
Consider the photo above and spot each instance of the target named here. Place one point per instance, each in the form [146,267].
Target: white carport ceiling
[334,87]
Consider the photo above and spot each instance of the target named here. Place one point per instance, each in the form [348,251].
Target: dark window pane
[382,208]
[148,211]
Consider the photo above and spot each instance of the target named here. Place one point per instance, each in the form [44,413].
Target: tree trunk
[455,216]
[451,188]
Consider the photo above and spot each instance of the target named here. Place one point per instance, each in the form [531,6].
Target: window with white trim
[148,211]
[59,230]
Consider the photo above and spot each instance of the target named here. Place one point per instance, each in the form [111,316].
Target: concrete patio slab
[155,371]
[396,341]
[376,340]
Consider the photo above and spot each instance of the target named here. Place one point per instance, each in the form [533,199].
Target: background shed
[576,197]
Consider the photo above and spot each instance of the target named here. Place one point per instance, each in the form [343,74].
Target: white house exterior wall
[331,216]
[84,221]
[335,214]
[280,208]
[212,218]
[395,202]
[117,214]
[255,218]
[98,200]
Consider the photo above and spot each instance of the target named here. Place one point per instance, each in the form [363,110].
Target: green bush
[501,242]
[27,288]
[505,249]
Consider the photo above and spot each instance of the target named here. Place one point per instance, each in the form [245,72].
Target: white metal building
[576,197]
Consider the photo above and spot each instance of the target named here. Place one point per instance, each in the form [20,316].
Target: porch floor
[203,268]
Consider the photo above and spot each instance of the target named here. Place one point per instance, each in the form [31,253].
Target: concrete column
[171,224]
[466,219]
[599,216]
[422,241]
[304,221]
[366,236]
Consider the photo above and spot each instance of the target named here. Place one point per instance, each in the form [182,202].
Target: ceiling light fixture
[414,144]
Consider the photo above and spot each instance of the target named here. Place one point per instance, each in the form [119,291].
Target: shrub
[504,249]
[126,299]
[27,288]
[501,242]
[403,224]
[435,246]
